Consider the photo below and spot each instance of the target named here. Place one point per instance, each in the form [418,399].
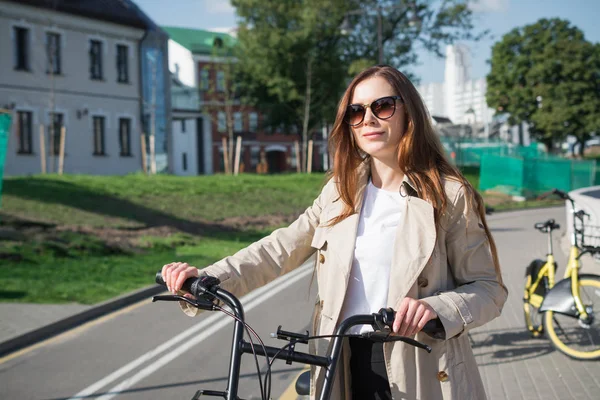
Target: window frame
[96,62]
[238,122]
[129,120]
[23,148]
[122,61]
[18,50]
[220,81]
[54,143]
[204,79]
[102,151]
[56,68]
[221,123]
[253,117]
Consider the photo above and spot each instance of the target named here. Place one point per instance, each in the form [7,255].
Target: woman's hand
[174,274]
[411,316]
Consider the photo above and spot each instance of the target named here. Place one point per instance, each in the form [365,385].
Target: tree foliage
[407,26]
[547,75]
[294,59]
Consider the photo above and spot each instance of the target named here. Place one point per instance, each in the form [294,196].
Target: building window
[21,48]
[220,81]
[237,122]
[184,160]
[95,59]
[56,124]
[125,136]
[122,63]
[25,132]
[253,122]
[204,80]
[221,122]
[53,53]
[183,125]
[254,156]
[98,126]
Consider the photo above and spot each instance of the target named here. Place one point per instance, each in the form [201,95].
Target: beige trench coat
[449,267]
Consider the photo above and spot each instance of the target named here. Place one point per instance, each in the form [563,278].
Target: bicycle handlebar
[206,290]
[205,287]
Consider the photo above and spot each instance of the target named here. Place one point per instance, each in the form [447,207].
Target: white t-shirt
[369,278]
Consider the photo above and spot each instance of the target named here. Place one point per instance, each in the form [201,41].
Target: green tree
[289,62]
[295,59]
[547,75]
[406,26]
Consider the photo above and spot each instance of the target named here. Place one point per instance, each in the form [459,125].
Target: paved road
[131,354]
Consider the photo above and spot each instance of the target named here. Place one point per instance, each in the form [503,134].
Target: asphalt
[22,325]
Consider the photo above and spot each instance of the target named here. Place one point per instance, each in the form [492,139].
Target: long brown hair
[420,153]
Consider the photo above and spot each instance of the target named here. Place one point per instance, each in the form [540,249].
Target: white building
[459,97]
[74,65]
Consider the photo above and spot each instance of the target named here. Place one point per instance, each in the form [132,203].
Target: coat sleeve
[277,254]
[479,294]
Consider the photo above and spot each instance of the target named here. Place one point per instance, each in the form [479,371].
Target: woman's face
[378,137]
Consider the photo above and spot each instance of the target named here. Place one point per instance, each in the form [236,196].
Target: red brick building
[198,60]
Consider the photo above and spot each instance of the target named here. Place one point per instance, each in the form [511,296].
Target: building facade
[199,59]
[74,65]
[459,97]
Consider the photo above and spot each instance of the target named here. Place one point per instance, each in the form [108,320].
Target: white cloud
[489,5]
[218,6]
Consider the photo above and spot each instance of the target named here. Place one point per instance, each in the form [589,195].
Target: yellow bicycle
[565,311]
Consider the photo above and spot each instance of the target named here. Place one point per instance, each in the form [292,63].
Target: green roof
[199,41]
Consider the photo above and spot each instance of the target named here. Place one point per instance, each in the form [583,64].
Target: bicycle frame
[239,346]
[554,300]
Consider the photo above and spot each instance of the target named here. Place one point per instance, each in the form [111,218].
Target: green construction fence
[5,119]
[530,176]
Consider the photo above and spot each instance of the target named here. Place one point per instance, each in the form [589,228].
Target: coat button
[442,376]
[422,282]
[321,258]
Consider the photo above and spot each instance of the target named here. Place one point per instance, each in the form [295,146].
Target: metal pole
[379,35]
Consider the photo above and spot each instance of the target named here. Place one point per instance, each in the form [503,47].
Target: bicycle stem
[238,335]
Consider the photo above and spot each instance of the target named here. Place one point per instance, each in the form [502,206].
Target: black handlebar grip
[433,327]
[188,285]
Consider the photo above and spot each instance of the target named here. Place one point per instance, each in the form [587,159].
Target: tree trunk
[306,113]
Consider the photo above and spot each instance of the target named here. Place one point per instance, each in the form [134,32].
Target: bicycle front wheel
[570,335]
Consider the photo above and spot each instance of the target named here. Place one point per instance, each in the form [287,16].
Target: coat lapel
[415,240]
[342,236]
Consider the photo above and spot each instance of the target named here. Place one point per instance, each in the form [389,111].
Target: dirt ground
[16,231]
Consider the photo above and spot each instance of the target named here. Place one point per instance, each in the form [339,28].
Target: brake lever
[389,336]
[199,303]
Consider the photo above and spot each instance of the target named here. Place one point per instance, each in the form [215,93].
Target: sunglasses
[383,108]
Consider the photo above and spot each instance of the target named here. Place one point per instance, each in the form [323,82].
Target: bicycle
[564,311]
[208,294]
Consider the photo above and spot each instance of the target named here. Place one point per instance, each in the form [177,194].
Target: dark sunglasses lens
[384,108]
[355,114]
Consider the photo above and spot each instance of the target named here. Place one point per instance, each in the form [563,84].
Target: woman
[396,226]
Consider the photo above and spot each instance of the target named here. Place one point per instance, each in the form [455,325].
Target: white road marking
[208,327]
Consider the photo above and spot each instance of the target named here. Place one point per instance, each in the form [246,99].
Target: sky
[499,16]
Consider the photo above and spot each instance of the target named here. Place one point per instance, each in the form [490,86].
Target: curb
[65,324]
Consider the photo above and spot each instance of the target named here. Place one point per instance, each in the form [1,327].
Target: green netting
[507,179]
[4,132]
[469,152]
[528,176]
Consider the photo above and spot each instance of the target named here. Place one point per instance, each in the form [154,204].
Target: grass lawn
[86,239]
